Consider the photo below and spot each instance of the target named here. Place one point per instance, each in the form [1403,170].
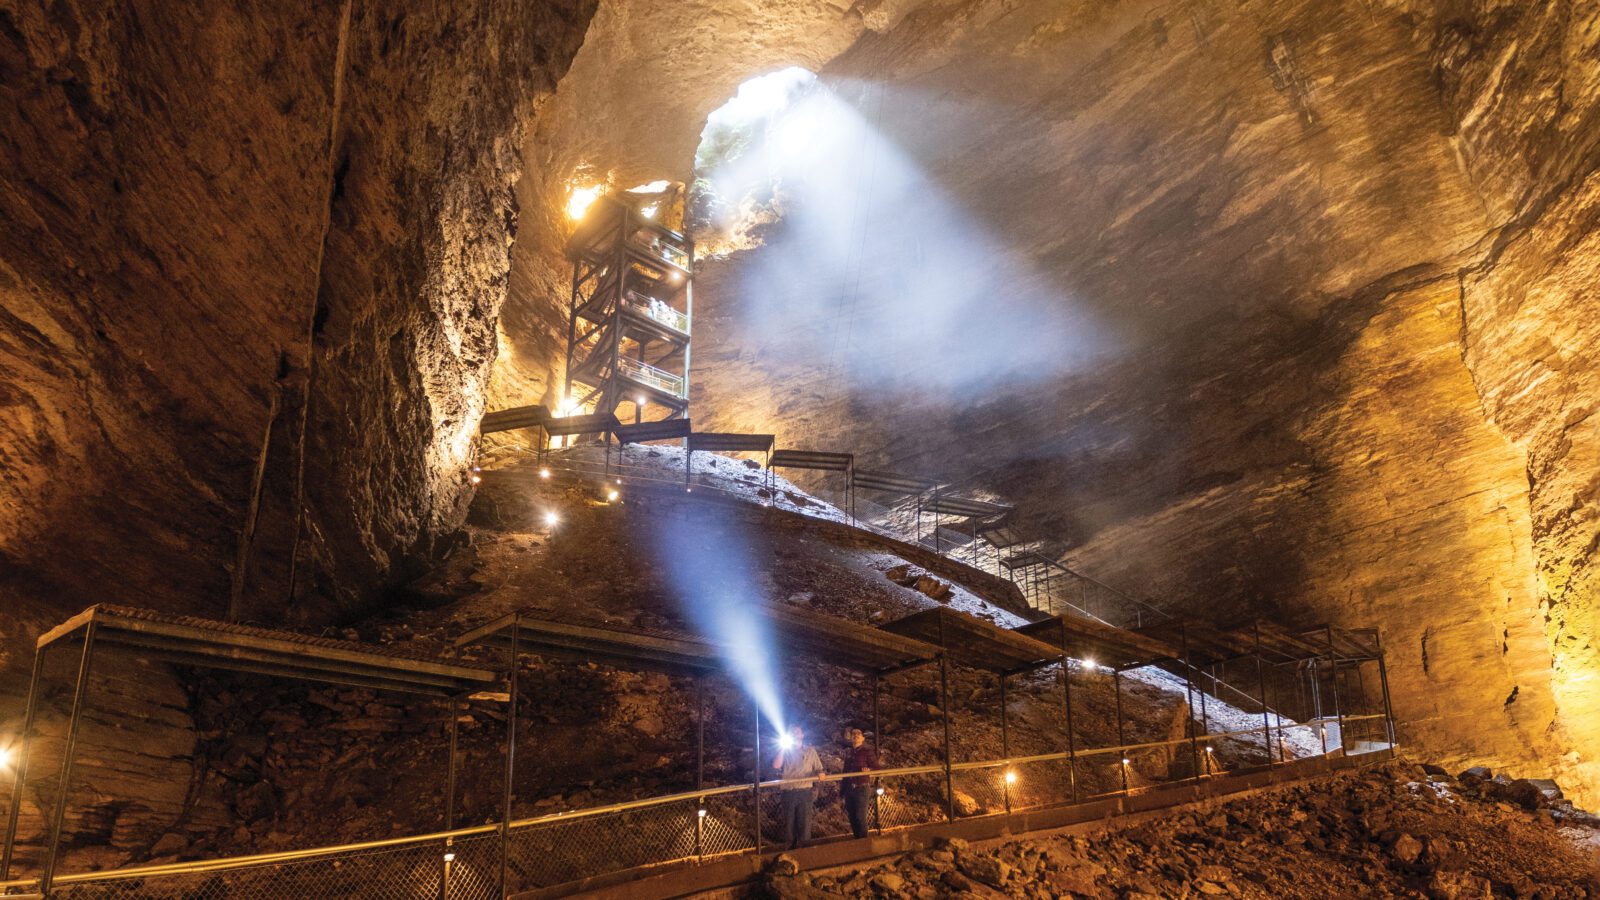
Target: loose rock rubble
[1397,830]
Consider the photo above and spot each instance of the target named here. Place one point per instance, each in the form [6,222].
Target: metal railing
[560,848]
[644,373]
[658,310]
[659,247]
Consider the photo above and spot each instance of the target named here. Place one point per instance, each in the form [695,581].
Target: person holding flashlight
[798,763]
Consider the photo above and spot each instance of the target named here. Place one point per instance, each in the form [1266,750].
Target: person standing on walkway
[798,764]
[857,789]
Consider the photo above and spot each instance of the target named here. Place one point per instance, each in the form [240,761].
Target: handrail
[447,837]
[643,371]
[659,310]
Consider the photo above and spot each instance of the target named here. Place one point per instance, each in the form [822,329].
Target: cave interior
[1222,311]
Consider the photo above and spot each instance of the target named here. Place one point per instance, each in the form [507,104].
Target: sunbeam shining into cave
[710,567]
[868,266]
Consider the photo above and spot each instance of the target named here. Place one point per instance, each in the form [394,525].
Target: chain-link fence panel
[979,792]
[908,800]
[727,825]
[1365,734]
[547,853]
[1039,783]
[431,870]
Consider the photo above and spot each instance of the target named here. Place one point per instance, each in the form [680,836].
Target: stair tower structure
[629,317]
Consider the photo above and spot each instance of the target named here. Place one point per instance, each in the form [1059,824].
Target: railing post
[877,752]
[756,793]
[1338,711]
[1066,698]
[1005,742]
[1122,741]
[20,776]
[1388,713]
[699,829]
[1261,685]
[1188,699]
[64,786]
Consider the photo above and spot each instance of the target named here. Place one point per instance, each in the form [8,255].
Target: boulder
[966,804]
[1406,849]
[1458,886]
[888,883]
[1532,793]
[933,587]
[985,868]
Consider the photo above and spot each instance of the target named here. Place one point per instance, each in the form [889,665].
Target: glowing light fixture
[551,520]
[880,792]
[450,856]
[544,473]
[1089,664]
[5,757]
[649,212]
[701,812]
[1011,777]
[641,400]
[477,478]
[785,742]
[1208,749]
[579,199]
[612,495]
[1126,761]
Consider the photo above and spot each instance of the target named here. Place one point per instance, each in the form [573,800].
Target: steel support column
[1188,699]
[1261,685]
[511,753]
[1338,711]
[1388,712]
[450,776]
[699,732]
[755,816]
[64,784]
[1005,743]
[21,774]
[1066,700]
[944,709]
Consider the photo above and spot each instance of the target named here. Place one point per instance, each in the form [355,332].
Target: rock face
[1387,832]
[1336,259]
[1327,279]
[250,262]
[207,218]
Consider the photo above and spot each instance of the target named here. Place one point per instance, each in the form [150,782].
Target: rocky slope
[1333,265]
[1397,831]
[249,764]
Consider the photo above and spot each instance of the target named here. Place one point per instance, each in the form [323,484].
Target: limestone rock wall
[202,210]
[209,214]
[1339,254]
